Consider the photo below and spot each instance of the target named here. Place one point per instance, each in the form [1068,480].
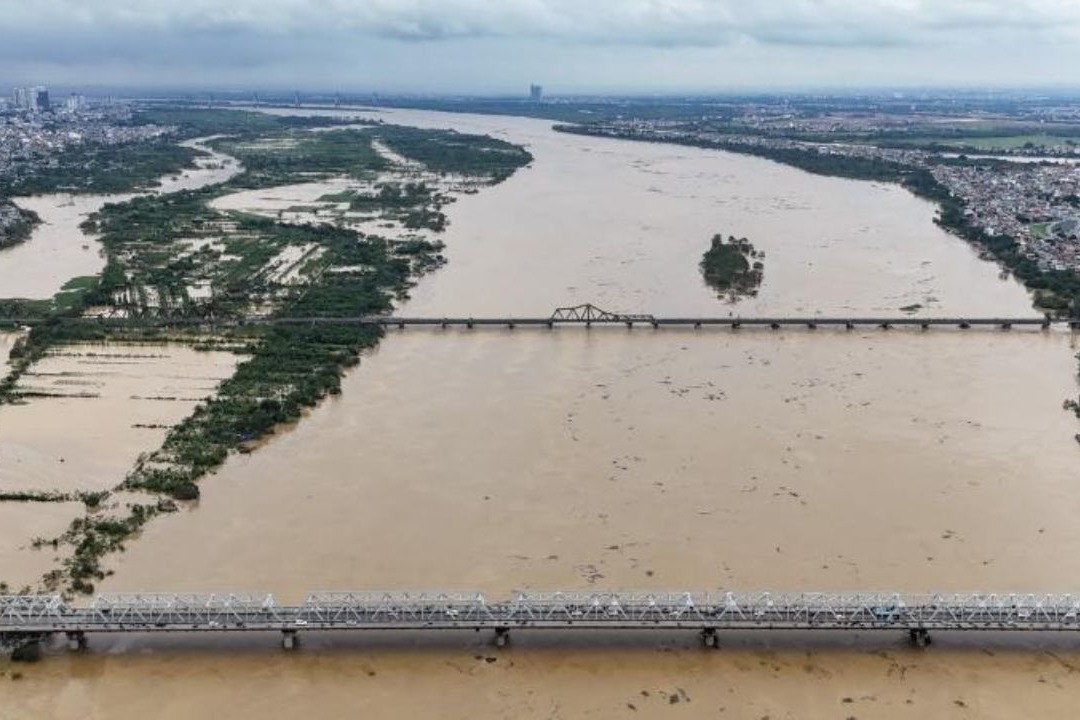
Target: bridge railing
[22,609]
[44,613]
[572,607]
[151,609]
[395,607]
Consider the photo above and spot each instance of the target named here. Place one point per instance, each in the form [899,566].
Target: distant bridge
[586,315]
[27,619]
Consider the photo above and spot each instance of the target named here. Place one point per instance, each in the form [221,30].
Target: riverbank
[608,458]
[57,250]
[171,254]
[1054,291]
[16,224]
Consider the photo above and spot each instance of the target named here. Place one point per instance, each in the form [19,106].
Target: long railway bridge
[580,315]
[27,619]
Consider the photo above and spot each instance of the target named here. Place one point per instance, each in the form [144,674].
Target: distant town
[35,128]
[1011,162]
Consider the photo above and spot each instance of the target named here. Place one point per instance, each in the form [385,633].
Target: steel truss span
[34,615]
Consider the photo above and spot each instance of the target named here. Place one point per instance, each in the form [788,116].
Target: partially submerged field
[369,229]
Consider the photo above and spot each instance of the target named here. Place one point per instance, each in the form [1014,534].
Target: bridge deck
[734,322]
[389,320]
[30,615]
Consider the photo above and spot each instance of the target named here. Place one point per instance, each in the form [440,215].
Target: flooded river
[670,459]
[58,250]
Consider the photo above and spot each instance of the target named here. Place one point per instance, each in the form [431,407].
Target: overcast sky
[570,46]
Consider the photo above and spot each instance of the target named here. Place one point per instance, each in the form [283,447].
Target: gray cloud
[439,39]
[644,22]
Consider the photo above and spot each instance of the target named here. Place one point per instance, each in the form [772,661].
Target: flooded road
[676,459]
[58,250]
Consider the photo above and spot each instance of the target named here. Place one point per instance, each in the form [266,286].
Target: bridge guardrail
[367,610]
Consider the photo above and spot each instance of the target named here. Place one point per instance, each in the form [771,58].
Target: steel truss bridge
[27,619]
[582,315]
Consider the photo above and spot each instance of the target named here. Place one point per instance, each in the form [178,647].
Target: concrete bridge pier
[289,639]
[710,639]
[502,636]
[76,640]
[920,637]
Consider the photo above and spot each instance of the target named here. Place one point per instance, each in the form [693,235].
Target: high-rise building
[536,93]
[35,99]
[74,103]
[40,98]
[21,98]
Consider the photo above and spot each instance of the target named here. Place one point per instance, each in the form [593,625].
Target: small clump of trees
[732,267]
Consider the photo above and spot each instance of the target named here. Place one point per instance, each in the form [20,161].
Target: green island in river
[733,268]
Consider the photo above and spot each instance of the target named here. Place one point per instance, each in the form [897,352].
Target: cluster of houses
[1038,205]
[30,139]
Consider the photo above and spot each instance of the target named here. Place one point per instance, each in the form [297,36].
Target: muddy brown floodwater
[670,459]
[58,250]
[100,407]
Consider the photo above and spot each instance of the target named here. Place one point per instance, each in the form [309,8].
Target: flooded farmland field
[606,458]
[58,250]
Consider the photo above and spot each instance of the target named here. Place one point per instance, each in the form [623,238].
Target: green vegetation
[159,247]
[104,168]
[300,156]
[415,205]
[1040,231]
[198,122]
[1022,140]
[16,224]
[451,152]
[72,297]
[35,497]
[295,155]
[92,537]
[732,268]
[90,499]
[126,167]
